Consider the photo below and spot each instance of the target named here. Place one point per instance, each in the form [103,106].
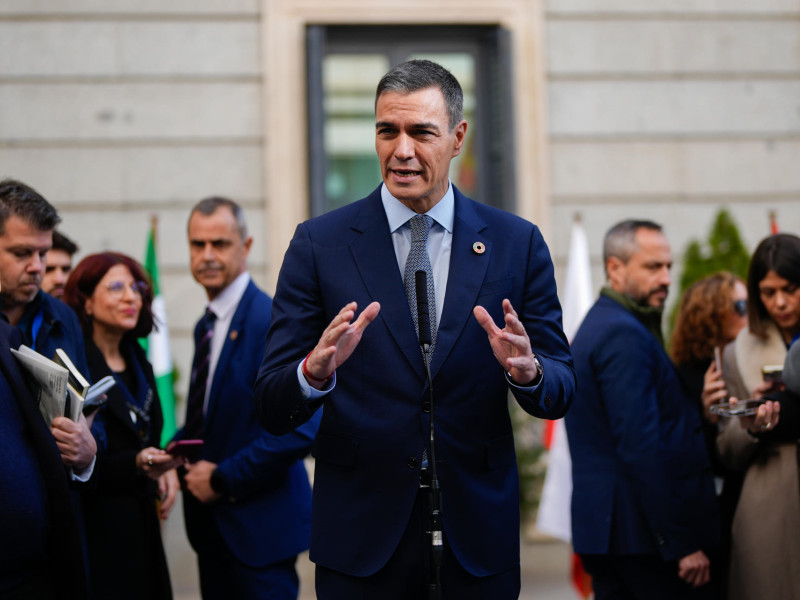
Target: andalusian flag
[157,343]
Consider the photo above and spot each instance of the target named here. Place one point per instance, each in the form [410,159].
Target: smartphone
[744,408]
[772,373]
[189,449]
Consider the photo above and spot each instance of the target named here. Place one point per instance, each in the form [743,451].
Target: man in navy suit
[247,500]
[369,518]
[27,221]
[644,512]
[40,556]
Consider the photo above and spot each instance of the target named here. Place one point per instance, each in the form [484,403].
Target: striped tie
[193,429]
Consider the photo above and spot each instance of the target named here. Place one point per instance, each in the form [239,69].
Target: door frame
[285,130]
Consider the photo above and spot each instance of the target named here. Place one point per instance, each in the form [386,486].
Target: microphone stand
[437,539]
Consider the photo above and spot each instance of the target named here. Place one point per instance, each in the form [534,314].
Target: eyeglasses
[740,307]
[116,289]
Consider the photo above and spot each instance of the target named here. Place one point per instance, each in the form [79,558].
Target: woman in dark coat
[712,312]
[111,297]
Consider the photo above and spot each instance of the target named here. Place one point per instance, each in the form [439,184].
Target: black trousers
[640,577]
[406,575]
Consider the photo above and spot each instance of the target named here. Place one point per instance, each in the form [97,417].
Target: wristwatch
[539,369]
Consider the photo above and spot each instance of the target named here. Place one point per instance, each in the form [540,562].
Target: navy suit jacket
[641,476]
[375,422]
[64,542]
[267,518]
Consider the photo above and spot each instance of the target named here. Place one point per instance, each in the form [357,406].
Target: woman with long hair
[110,294]
[765,535]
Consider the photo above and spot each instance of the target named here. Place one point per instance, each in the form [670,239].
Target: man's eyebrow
[380,124]
[222,240]
[28,248]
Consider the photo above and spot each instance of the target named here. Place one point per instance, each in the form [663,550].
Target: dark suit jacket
[640,472]
[268,517]
[376,421]
[64,543]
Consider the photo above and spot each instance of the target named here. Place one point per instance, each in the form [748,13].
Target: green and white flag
[157,343]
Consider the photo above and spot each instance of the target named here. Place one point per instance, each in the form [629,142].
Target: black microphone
[435,504]
[423,316]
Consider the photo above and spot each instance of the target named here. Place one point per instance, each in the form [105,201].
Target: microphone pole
[424,323]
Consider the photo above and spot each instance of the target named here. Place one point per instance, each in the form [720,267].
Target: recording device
[745,408]
[718,359]
[772,373]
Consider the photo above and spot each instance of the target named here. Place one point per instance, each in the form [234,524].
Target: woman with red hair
[110,294]
[711,314]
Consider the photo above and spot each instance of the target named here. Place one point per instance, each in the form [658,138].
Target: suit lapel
[466,274]
[374,256]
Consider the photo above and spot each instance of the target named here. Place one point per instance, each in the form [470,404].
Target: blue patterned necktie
[418,260]
[193,429]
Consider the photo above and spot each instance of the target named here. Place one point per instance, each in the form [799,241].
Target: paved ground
[545,567]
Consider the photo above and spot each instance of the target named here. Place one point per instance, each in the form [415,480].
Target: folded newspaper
[59,389]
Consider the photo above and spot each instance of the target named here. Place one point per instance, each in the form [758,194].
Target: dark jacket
[126,555]
[376,421]
[266,516]
[63,541]
[641,475]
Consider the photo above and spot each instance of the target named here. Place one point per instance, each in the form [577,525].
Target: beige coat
[765,552]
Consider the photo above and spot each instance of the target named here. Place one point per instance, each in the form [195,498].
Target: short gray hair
[209,206]
[415,75]
[620,241]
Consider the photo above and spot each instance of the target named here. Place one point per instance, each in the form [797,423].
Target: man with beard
[58,265]
[644,513]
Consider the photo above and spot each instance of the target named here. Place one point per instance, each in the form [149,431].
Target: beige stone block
[119,49]
[125,175]
[29,49]
[664,47]
[194,48]
[636,108]
[675,168]
[130,7]
[674,6]
[86,111]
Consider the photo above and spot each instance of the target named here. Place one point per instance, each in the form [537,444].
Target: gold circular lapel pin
[478,248]
[233,335]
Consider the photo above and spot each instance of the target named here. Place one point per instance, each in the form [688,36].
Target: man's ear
[615,272]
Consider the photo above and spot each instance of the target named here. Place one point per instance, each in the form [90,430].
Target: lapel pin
[234,334]
[478,248]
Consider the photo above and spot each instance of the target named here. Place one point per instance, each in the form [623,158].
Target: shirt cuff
[309,393]
[527,389]
[84,474]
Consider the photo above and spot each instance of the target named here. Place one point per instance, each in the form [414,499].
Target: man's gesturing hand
[511,345]
[338,341]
